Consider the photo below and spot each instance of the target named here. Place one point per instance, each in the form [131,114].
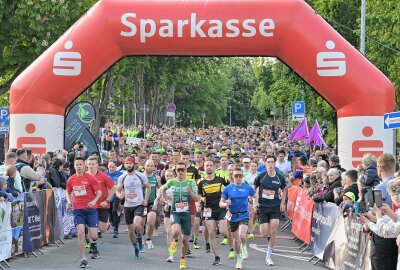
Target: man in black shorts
[210,188]
[130,186]
[267,186]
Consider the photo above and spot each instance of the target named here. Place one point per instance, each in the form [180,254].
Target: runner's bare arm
[93,203]
[148,191]
[224,203]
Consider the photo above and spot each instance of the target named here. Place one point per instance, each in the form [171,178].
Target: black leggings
[115,218]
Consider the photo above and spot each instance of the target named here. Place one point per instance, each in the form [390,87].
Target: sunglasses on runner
[180,169]
[238,175]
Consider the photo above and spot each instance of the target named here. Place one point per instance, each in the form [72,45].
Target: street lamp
[203,115]
[230,116]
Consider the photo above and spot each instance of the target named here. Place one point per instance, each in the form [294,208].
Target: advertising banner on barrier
[48,217]
[17,223]
[59,196]
[5,230]
[303,211]
[336,245]
[356,256]
[33,238]
[293,191]
[324,217]
[64,215]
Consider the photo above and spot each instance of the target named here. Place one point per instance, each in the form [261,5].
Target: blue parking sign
[4,120]
[298,107]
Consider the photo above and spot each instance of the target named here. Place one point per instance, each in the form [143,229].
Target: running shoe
[140,244]
[87,245]
[149,244]
[170,259]
[196,244]
[250,236]
[269,261]
[245,253]
[208,250]
[115,234]
[188,252]
[137,251]
[224,242]
[217,261]
[84,263]
[239,262]
[173,247]
[99,235]
[95,254]
[232,254]
[191,240]
[91,250]
[182,263]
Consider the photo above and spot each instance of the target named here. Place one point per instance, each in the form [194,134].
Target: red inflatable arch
[289,30]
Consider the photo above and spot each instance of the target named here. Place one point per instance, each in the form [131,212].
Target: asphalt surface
[117,254]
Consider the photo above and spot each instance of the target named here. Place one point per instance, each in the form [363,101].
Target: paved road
[117,254]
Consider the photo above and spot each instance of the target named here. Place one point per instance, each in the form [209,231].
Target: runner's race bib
[79,190]
[133,197]
[207,212]
[181,207]
[268,194]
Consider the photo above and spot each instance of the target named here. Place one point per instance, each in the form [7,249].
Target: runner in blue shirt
[235,198]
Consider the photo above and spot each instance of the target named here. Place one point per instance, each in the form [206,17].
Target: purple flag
[318,140]
[300,131]
[315,131]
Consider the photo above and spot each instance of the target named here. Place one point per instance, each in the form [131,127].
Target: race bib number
[79,190]
[228,216]
[133,197]
[181,207]
[268,194]
[207,212]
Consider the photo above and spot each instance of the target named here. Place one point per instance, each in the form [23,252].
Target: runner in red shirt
[84,191]
[108,188]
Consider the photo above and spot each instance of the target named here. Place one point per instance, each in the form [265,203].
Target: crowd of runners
[199,183]
[224,181]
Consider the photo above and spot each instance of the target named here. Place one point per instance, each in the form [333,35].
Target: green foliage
[29,27]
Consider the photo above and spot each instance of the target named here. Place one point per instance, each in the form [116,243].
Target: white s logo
[331,64]
[67,63]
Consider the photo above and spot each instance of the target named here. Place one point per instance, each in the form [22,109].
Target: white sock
[269,252]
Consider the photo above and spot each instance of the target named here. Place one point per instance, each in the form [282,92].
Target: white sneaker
[170,259]
[245,254]
[149,244]
[269,261]
[239,262]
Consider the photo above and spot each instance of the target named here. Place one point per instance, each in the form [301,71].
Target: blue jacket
[6,195]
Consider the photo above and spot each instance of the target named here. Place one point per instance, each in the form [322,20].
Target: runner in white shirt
[283,165]
[249,179]
[130,186]
[169,174]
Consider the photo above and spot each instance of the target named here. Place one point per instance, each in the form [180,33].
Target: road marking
[299,258]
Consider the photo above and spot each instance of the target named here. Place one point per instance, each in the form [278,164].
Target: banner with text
[5,231]
[347,246]
[33,238]
[302,217]
[17,223]
[293,191]
[324,217]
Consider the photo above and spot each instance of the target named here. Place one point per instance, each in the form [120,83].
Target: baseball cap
[350,195]
[334,158]
[246,159]
[129,159]
[320,170]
